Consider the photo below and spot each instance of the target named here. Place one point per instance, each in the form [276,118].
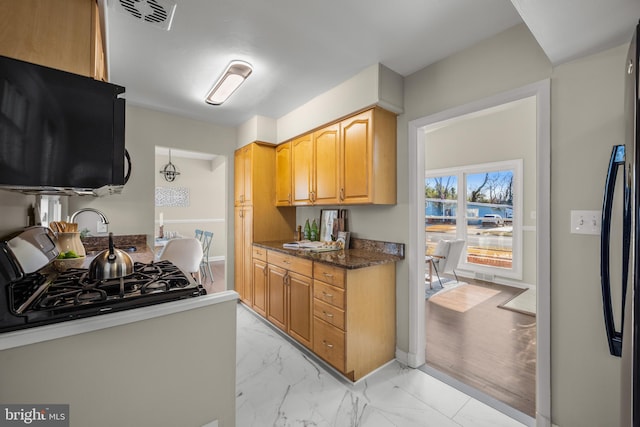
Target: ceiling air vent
[155,12]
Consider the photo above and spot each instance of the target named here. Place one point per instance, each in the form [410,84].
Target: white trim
[189,221]
[416,244]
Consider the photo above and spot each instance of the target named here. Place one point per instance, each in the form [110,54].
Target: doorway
[193,198]
[538,217]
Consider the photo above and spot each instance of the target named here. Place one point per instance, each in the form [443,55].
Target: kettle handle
[112,252]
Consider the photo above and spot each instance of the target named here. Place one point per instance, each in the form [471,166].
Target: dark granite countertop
[134,244]
[363,253]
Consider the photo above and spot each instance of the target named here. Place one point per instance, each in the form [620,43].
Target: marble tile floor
[277,384]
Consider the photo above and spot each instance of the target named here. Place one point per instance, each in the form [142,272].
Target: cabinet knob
[342,194]
[327,275]
[326,344]
[330,315]
[326,295]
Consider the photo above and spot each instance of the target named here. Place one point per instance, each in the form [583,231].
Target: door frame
[416,245]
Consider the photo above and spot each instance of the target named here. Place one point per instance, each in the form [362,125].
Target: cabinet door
[283,174]
[242,163]
[277,296]
[238,231]
[247,249]
[55,34]
[326,144]
[357,159]
[247,158]
[301,158]
[260,287]
[300,308]
[98,61]
[238,177]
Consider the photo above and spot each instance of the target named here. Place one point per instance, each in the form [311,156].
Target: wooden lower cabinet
[260,287]
[300,298]
[347,317]
[290,295]
[243,258]
[277,296]
[354,317]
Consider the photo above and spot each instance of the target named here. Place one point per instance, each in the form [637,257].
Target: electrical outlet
[102,227]
[586,222]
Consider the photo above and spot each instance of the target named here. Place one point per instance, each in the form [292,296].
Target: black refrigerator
[619,267]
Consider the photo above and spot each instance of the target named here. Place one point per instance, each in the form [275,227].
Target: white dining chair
[446,257]
[186,254]
[205,267]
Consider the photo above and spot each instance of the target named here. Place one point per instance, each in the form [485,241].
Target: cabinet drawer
[259,253]
[329,274]
[328,313]
[291,263]
[329,294]
[328,343]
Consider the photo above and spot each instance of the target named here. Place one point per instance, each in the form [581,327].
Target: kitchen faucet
[102,216]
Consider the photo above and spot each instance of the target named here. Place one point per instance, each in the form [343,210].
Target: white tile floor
[278,385]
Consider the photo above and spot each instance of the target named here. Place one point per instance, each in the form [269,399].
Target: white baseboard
[215,258]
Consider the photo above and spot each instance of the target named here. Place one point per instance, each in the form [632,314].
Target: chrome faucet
[102,216]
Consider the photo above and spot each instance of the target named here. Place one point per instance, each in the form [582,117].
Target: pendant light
[169,170]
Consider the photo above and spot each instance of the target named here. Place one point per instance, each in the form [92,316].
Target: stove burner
[159,286]
[90,296]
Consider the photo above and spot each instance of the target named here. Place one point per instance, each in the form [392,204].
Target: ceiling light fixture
[169,170]
[231,79]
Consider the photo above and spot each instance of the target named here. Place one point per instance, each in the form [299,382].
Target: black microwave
[60,133]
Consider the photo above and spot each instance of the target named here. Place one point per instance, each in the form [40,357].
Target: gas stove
[43,298]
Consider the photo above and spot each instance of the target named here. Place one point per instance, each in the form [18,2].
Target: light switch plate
[586,222]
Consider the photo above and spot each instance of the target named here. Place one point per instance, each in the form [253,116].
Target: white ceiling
[301,48]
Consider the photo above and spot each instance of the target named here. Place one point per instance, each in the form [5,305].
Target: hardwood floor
[489,348]
[217,284]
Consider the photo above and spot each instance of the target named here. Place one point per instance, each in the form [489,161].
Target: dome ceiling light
[231,79]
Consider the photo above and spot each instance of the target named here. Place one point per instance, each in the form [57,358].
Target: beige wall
[206,182]
[14,208]
[146,373]
[587,119]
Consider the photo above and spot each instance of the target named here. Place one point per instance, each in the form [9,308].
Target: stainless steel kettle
[110,263]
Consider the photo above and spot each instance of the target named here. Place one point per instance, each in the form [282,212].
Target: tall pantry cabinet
[256,217]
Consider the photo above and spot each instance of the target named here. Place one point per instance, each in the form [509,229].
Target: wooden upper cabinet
[301,169]
[61,34]
[242,175]
[283,175]
[98,58]
[352,161]
[326,157]
[368,158]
